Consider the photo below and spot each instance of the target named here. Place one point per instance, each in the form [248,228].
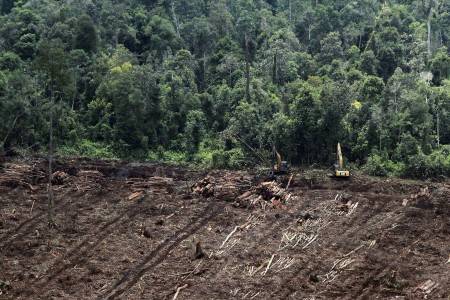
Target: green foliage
[422,166]
[219,83]
[378,165]
[86,148]
[231,159]
[9,61]
[86,35]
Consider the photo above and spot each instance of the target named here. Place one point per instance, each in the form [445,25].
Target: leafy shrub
[422,166]
[89,149]
[231,159]
[174,157]
[380,166]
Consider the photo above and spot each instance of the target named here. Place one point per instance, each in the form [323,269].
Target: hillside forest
[218,83]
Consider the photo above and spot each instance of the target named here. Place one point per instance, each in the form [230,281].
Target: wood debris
[60,177]
[422,199]
[90,174]
[427,287]
[152,182]
[227,186]
[269,191]
[178,291]
[136,196]
[24,175]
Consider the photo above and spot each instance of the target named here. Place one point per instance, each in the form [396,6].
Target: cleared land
[132,231]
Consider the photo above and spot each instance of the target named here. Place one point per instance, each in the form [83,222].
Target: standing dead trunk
[175,19]
[275,68]
[247,69]
[429,33]
[204,79]
[51,204]
[309,32]
[11,128]
[290,12]
[247,80]
[438,133]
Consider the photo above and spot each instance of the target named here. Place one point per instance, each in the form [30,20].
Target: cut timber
[15,175]
[269,191]
[152,182]
[136,196]
[178,291]
[90,174]
[428,286]
[59,178]
[225,186]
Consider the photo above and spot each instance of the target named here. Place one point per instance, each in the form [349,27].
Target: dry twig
[178,291]
[269,264]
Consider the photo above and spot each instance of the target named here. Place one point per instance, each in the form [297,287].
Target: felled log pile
[225,186]
[422,199]
[14,175]
[89,180]
[156,184]
[269,191]
[238,188]
[152,182]
[60,177]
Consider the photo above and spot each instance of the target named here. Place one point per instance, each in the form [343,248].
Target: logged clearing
[139,231]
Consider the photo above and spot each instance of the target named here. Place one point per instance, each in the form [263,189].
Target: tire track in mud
[287,290]
[160,253]
[79,252]
[24,228]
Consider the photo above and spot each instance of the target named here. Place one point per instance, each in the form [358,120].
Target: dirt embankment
[155,232]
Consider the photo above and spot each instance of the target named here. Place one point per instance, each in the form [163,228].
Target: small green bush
[380,166]
[422,166]
[174,157]
[231,159]
[89,149]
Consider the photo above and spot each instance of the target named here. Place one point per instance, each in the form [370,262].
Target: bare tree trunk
[247,69]
[438,129]
[247,78]
[430,16]
[429,35]
[11,128]
[204,71]
[290,12]
[275,68]
[51,204]
[175,19]
[379,141]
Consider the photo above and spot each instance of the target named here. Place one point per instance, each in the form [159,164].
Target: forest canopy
[220,82]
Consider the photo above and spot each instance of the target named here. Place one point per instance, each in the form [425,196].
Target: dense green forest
[219,82]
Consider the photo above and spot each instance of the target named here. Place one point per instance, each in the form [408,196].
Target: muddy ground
[130,231]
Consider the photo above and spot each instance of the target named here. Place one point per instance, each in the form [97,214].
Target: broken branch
[229,236]
[178,291]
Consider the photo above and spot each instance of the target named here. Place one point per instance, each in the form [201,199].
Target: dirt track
[363,239]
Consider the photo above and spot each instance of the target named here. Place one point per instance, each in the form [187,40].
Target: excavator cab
[281,167]
[339,170]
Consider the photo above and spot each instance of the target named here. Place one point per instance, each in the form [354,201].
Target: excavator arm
[340,171]
[340,159]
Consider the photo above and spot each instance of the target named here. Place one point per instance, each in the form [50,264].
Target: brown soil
[139,231]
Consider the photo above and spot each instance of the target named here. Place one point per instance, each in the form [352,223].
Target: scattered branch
[178,291]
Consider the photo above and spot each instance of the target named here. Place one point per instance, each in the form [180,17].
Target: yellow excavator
[339,170]
[280,167]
